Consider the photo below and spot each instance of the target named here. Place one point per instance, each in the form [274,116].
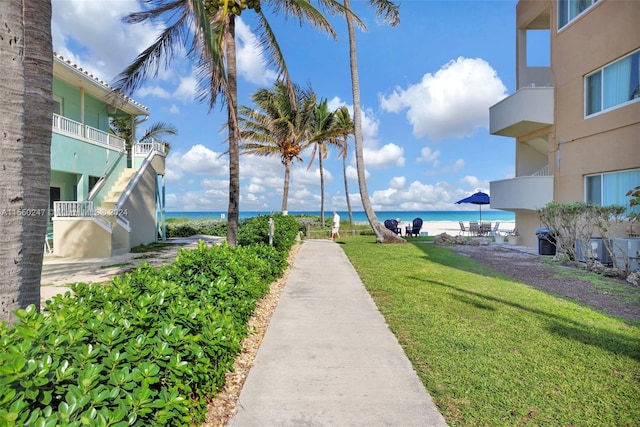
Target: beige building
[576,122]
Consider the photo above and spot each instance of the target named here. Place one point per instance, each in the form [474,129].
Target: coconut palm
[206,30]
[321,134]
[389,12]
[278,127]
[26,64]
[344,125]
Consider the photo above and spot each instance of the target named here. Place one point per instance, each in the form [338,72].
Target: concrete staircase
[120,237]
[109,202]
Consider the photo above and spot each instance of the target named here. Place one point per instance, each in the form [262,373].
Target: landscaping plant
[148,348]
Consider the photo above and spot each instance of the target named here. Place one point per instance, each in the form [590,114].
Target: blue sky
[426,84]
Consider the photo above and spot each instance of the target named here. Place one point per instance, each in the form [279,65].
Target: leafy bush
[573,224]
[146,349]
[256,230]
[191,228]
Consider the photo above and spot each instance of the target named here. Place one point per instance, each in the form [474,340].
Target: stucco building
[576,121]
[106,196]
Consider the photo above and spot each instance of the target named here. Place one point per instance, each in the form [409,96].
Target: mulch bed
[533,270]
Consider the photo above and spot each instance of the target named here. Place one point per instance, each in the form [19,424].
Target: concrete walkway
[328,357]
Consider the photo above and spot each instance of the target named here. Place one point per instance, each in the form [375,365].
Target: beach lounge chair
[392,224]
[417,225]
[463,229]
[474,228]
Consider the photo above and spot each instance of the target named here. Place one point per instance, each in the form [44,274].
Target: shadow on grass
[559,325]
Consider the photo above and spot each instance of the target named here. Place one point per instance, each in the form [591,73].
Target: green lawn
[495,352]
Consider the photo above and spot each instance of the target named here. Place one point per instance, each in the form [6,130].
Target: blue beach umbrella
[478,198]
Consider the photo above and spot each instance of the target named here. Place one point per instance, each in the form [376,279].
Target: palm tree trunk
[285,192]
[321,184]
[233,213]
[382,234]
[346,189]
[26,63]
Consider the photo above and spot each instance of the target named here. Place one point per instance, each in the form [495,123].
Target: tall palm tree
[278,127]
[321,134]
[207,29]
[344,125]
[26,104]
[389,11]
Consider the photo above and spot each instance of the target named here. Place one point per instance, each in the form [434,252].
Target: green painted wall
[95,110]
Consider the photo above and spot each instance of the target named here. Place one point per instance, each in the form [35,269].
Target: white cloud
[398,182]
[251,63]
[428,155]
[97,26]
[475,183]
[453,102]
[417,196]
[199,160]
[387,156]
[186,90]
[153,90]
[174,109]
[458,165]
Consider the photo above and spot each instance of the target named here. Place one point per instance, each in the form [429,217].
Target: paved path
[328,357]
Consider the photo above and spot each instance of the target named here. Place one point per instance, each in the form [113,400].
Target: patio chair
[417,225]
[495,231]
[392,224]
[463,229]
[474,228]
[485,228]
[47,246]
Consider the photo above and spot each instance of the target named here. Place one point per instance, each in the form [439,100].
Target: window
[613,85]
[568,10]
[610,188]
[57,104]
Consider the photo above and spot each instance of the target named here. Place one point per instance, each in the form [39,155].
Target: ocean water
[466,216]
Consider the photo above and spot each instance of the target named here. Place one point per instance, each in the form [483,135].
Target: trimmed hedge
[146,349]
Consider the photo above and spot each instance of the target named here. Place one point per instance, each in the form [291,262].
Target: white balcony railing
[73,209]
[142,149]
[80,210]
[78,130]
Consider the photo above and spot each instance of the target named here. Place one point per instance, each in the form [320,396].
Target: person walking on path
[335,226]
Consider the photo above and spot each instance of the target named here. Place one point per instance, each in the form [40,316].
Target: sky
[426,87]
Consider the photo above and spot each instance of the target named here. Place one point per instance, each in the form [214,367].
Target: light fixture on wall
[111,109]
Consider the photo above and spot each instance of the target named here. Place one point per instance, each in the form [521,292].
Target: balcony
[528,110]
[77,130]
[523,192]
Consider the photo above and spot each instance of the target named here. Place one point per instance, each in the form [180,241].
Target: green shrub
[256,230]
[201,226]
[148,348]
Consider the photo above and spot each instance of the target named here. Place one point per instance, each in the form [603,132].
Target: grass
[494,352]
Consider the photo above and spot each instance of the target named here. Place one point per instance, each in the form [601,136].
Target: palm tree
[278,127]
[26,64]
[121,126]
[321,133]
[389,11]
[344,125]
[206,28]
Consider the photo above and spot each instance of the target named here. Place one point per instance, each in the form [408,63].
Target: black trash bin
[546,242]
